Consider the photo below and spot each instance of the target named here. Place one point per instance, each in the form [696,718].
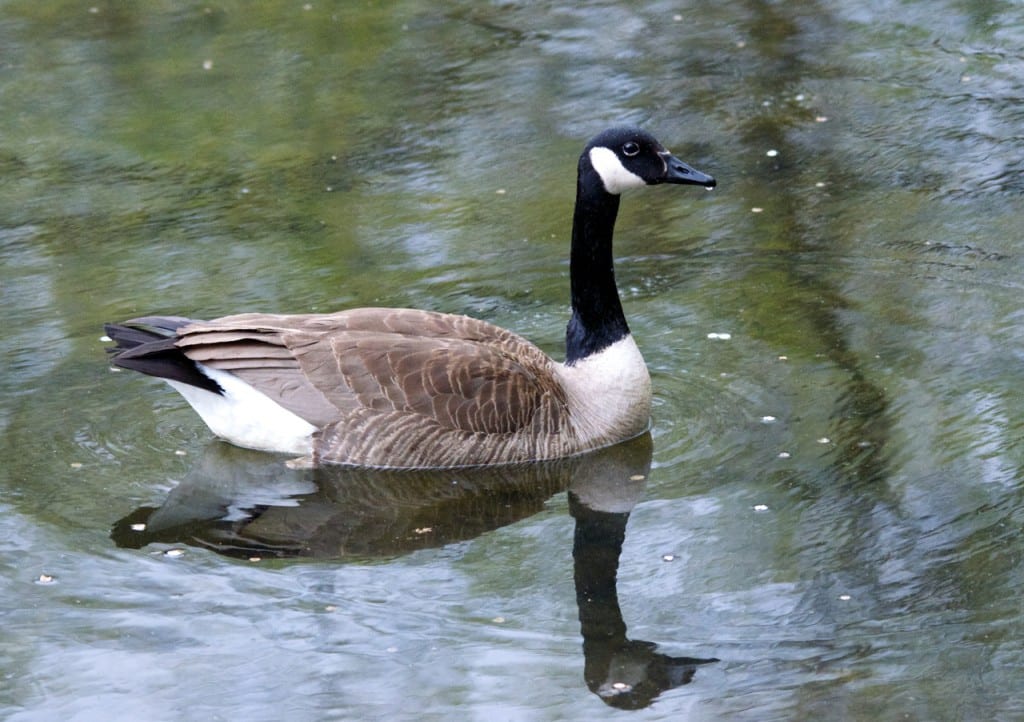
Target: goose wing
[449,372]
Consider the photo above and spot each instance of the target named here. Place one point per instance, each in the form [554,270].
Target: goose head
[626,158]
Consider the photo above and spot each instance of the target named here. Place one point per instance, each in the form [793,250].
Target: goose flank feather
[407,388]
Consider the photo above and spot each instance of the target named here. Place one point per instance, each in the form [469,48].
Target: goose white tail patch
[614,175]
[247,417]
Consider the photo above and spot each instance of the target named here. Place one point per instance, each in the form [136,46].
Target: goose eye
[630,149]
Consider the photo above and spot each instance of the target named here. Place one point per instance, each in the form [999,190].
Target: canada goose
[406,388]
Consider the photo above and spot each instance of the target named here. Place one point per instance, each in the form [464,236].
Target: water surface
[826,522]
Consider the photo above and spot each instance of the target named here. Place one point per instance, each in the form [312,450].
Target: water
[833,505]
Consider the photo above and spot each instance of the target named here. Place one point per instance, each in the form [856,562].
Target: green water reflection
[834,504]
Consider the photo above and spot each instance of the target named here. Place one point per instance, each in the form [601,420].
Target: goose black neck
[597,318]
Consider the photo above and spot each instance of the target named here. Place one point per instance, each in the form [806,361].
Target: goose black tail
[148,345]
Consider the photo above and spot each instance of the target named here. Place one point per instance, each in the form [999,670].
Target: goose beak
[676,171]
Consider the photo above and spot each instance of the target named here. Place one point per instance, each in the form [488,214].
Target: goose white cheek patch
[613,174]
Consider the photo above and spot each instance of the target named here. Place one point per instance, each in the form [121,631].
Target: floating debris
[423,530]
[668,557]
[140,526]
[824,440]
[498,620]
[255,559]
[768,419]
[45,579]
[207,64]
[772,153]
[637,477]
[760,507]
[174,553]
[757,209]
[845,597]
[181,452]
[622,687]
[721,336]
[106,339]
[784,455]
[76,464]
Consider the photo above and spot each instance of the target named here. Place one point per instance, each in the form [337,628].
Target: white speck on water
[760,507]
[500,192]
[757,209]
[772,153]
[668,557]
[768,419]
[800,97]
[138,527]
[105,339]
[622,687]
[391,650]
[678,18]
[255,559]
[637,477]
[784,455]
[207,64]
[244,191]
[174,553]
[783,358]
[45,579]
[720,335]
[76,464]
[824,440]
[820,119]
[845,597]
[498,620]
[180,452]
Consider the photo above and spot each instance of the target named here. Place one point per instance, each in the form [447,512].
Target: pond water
[825,522]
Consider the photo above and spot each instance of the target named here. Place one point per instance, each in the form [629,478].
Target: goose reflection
[247,504]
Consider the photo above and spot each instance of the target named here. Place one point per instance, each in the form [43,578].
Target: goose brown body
[426,388]
[410,388]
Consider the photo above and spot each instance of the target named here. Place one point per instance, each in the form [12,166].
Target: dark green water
[835,498]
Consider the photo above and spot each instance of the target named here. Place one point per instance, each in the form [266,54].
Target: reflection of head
[627,674]
[630,674]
